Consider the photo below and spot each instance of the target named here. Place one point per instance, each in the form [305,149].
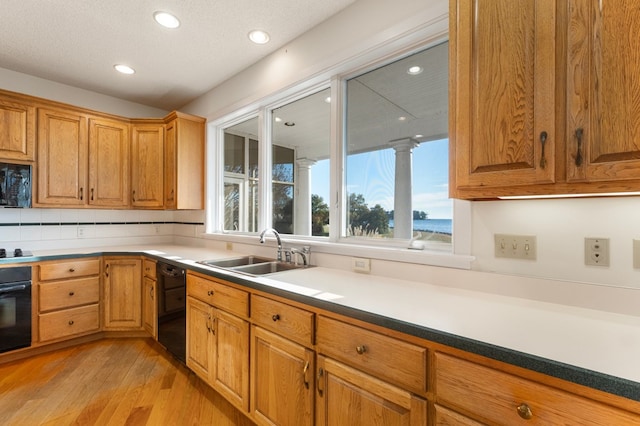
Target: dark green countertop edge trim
[593,379]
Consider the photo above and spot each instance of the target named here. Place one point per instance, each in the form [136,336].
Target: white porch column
[402,206]
[302,200]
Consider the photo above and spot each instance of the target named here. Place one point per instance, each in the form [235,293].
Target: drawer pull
[524,411]
[71,270]
[71,293]
[275,318]
[361,349]
[210,293]
[70,322]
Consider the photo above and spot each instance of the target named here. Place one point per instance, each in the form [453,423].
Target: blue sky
[372,174]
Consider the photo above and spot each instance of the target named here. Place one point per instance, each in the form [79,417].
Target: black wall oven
[15,308]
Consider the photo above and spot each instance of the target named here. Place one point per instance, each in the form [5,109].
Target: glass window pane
[283,208]
[231,206]
[233,153]
[301,150]
[253,158]
[396,144]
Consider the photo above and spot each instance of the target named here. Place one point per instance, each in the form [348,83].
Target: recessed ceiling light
[166,19]
[328,99]
[402,118]
[258,37]
[418,136]
[124,69]
[414,70]
[278,119]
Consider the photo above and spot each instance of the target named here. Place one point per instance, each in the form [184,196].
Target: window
[387,166]
[397,151]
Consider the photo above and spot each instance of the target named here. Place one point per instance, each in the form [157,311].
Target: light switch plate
[515,246]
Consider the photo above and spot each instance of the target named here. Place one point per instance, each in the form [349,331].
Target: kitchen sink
[236,261]
[252,265]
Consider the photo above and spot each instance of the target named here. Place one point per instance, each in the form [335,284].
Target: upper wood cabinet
[603,91]
[108,163]
[147,164]
[82,161]
[62,158]
[17,130]
[184,162]
[502,92]
[544,97]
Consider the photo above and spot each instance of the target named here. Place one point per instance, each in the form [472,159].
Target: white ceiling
[77,42]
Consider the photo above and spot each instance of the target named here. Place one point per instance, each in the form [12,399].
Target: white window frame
[457,255]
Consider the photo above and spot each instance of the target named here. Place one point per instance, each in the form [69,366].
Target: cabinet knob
[210,293]
[361,349]
[71,270]
[70,322]
[275,317]
[524,411]
[71,293]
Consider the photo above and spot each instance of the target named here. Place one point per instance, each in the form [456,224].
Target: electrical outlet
[229,245]
[596,251]
[361,265]
[515,246]
[82,231]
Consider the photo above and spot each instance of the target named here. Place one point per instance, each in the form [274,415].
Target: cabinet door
[150,307]
[147,169]
[603,90]
[62,158]
[199,338]
[184,163]
[230,372]
[123,294]
[349,397]
[502,112]
[108,163]
[281,380]
[17,131]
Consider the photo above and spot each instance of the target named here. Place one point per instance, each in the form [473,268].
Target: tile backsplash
[42,229]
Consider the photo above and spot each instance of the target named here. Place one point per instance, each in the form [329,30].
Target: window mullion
[264,170]
[337,188]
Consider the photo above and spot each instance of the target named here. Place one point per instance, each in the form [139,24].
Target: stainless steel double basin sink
[251,265]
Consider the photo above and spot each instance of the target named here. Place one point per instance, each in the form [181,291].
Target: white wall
[35,86]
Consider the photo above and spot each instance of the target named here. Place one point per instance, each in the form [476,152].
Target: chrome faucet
[262,234]
[304,252]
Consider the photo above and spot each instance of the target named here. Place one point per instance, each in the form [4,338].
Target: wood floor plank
[112,382]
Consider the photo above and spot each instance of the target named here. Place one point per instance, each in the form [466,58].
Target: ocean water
[430,225]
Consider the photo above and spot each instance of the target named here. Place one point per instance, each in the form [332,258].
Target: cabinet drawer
[55,325]
[293,323]
[66,294]
[69,269]
[495,397]
[386,357]
[445,417]
[149,269]
[218,294]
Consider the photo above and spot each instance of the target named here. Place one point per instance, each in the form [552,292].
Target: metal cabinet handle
[81,194]
[543,141]
[524,411]
[320,383]
[209,323]
[304,373]
[361,349]
[579,134]
[151,292]
[91,194]
[71,270]
[70,322]
[170,196]
[106,270]
[275,317]
[134,196]
[71,293]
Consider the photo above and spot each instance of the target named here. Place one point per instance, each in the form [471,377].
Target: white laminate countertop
[604,342]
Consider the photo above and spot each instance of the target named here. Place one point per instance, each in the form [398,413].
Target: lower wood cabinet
[346,396]
[68,298]
[282,384]
[122,293]
[495,397]
[149,298]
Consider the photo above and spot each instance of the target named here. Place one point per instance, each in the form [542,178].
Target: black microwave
[15,185]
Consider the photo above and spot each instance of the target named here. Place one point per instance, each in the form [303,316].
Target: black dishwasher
[172,309]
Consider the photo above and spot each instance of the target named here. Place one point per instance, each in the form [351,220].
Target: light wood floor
[109,382]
